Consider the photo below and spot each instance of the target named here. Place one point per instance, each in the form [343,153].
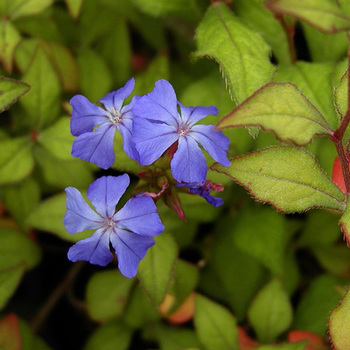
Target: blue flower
[203,188]
[158,124]
[129,230]
[96,146]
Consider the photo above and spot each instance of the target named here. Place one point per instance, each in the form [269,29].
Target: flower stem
[338,135]
[55,296]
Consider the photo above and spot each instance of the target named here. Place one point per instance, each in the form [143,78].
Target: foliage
[270,272]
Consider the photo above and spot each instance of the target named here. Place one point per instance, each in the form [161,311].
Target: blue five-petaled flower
[129,230]
[157,124]
[96,146]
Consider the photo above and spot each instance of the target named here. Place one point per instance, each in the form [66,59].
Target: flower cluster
[151,126]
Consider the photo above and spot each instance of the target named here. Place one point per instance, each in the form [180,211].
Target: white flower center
[183,130]
[110,223]
[114,116]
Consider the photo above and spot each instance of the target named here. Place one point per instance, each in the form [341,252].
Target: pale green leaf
[241,53]
[288,178]
[21,8]
[314,80]
[339,324]
[322,14]
[345,6]
[74,7]
[16,248]
[9,39]
[48,216]
[107,294]
[57,139]
[341,95]
[95,76]
[263,21]
[10,91]
[215,326]
[280,108]
[270,313]
[9,281]
[262,234]
[42,103]
[16,159]
[155,270]
[110,336]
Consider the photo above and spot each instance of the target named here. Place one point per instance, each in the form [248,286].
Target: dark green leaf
[155,270]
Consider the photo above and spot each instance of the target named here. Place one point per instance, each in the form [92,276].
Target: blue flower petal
[191,115]
[188,163]
[130,249]
[79,216]
[96,147]
[125,129]
[213,141]
[152,139]
[85,115]
[116,98]
[139,215]
[94,249]
[105,192]
[159,105]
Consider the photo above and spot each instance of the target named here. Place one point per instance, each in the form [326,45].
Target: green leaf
[9,39]
[270,313]
[263,21]
[288,178]
[314,80]
[10,91]
[294,346]
[21,8]
[9,281]
[110,336]
[42,103]
[21,199]
[339,324]
[116,50]
[48,216]
[241,53]
[63,173]
[184,282]
[175,338]
[107,294]
[188,9]
[16,248]
[95,76]
[262,234]
[280,108]
[321,14]
[325,47]
[215,326]
[29,340]
[57,139]
[244,271]
[155,270]
[313,309]
[344,223]
[140,310]
[74,7]
[16,159]
[10,336]
[341,95]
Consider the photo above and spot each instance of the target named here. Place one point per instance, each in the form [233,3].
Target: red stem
[338,136]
